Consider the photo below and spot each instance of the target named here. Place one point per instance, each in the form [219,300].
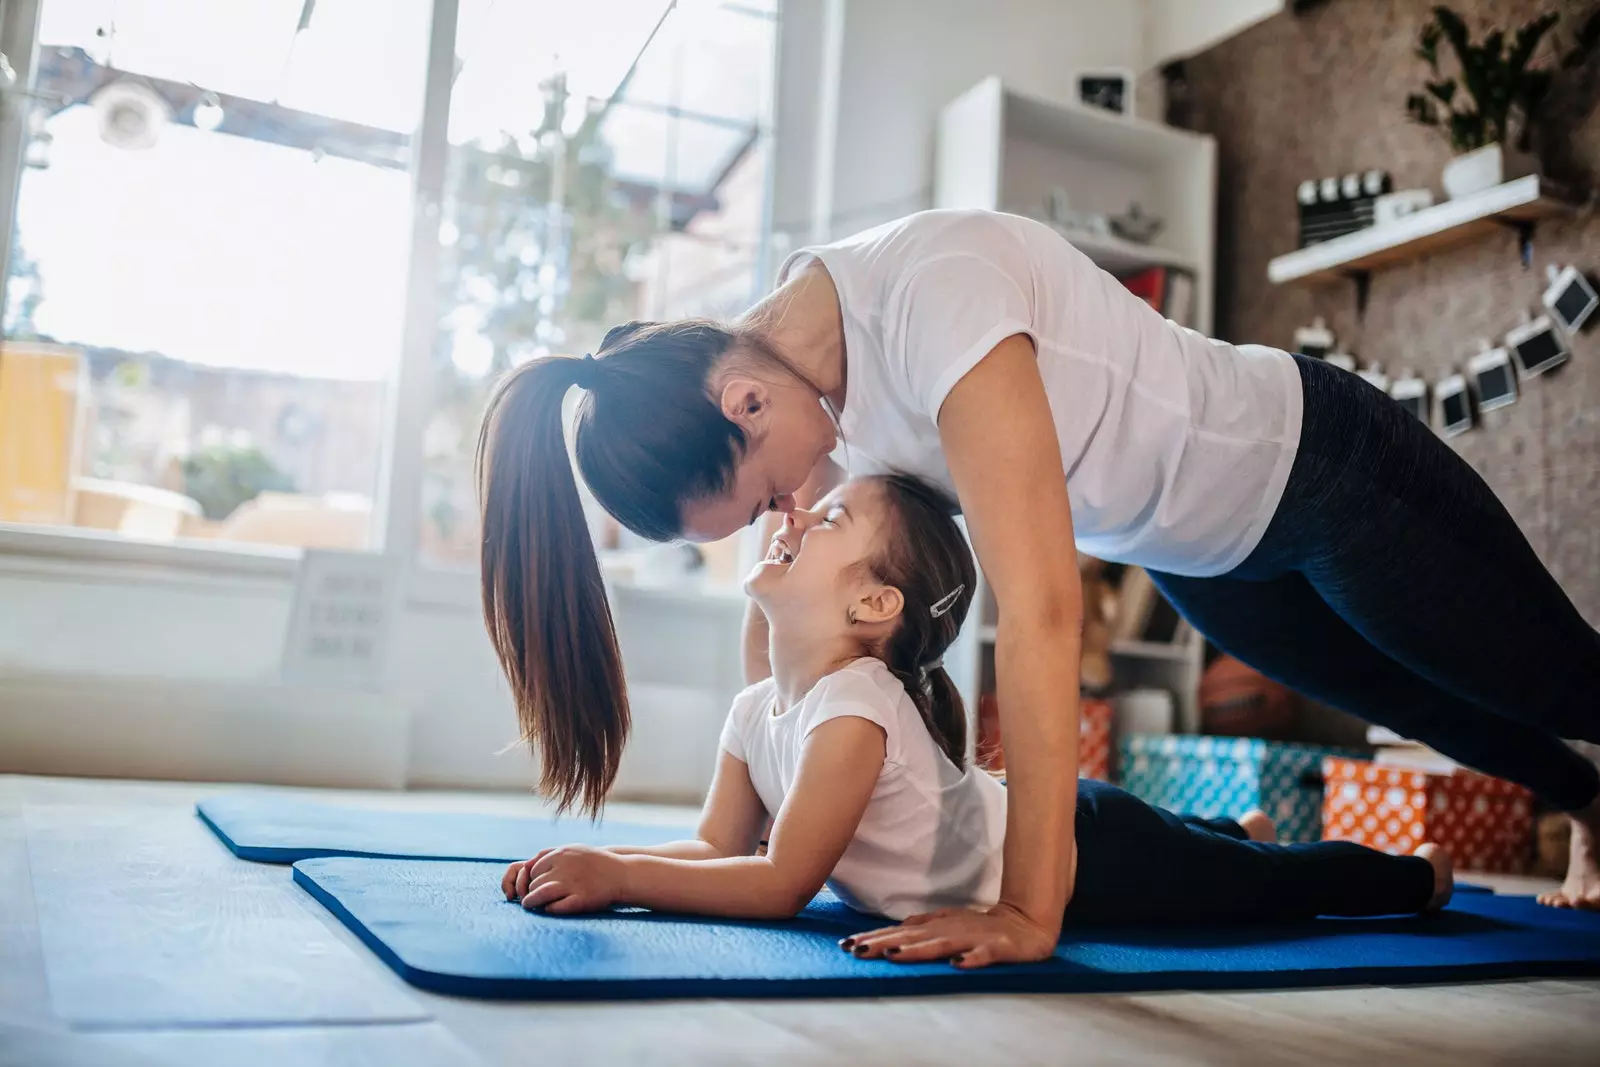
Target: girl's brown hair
[649,438]
[924,555]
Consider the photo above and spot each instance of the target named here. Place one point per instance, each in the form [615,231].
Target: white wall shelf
[1516,205]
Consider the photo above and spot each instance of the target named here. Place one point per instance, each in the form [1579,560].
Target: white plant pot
[1484,168]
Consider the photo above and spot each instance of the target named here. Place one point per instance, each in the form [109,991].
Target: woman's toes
[1259,827]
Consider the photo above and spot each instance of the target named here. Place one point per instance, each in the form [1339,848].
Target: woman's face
[789,436]
[812,566]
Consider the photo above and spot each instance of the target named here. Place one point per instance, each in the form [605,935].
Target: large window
[607,162]
[206,301]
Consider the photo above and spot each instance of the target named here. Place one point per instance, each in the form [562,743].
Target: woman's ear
[747,403]
[879,604]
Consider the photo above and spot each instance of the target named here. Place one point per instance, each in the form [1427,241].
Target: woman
[1299,518]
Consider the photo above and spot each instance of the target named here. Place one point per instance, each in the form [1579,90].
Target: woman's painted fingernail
[892,950]
[860,950]
[847,943]
[955,960]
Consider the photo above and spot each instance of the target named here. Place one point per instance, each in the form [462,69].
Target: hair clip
[943,605]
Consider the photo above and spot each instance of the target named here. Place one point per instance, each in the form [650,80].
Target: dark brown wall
[1323,93]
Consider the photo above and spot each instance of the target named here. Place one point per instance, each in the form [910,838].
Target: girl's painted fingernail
[847,943]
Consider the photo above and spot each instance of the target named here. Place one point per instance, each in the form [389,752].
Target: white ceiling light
[131,114]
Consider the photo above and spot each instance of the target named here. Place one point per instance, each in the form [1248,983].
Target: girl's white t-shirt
[1176,447]
[932,835]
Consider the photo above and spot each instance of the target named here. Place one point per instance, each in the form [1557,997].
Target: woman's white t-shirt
[1176,447]
[932,835]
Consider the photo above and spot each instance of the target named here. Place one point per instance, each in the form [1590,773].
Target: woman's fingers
[922,949]
[977,956]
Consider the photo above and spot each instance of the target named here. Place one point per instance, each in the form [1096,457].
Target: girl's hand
[567,880]
[964,937]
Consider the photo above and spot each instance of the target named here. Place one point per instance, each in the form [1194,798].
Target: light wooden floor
[149,924]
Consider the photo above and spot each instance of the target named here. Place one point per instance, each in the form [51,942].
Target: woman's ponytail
[544,602]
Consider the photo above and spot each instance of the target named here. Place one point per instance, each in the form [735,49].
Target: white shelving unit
[1514,205]
[1003,150]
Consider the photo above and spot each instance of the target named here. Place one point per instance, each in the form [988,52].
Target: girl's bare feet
[1444,874]
[1582,887]
[1259,827]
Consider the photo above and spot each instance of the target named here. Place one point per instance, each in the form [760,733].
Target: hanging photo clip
[1411,393]
[1455,405]
[1570,298]
[1538,345]
[1494,377]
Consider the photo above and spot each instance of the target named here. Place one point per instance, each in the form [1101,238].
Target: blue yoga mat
[445,927]
[270,828]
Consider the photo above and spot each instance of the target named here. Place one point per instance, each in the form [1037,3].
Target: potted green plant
[1496,85]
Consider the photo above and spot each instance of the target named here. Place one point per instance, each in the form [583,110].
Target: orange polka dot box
[1486,824]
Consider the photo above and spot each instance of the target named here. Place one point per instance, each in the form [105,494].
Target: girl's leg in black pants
[1392,584]
[1141,865]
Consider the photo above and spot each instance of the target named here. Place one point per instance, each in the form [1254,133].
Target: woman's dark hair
[924,555]
[650,438]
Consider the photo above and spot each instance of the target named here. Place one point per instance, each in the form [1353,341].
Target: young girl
[856,748]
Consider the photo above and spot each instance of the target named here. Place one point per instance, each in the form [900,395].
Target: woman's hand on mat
[566,880]
[965,937]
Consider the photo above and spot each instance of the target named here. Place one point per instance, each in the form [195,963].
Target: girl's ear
[880,604]
[747,403]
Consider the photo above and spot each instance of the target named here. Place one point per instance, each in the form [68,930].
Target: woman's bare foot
[1444,874]
[1259,827]
[1582,887]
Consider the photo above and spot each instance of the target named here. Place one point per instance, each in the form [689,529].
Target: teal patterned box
[1228,776]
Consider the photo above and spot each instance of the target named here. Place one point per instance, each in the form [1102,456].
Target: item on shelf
[1411,393]
[1373,375]
[1058,210]
[1552,834]
[1486,824]
[1136,602]
[1341,359]
[1455,405]
[1144,711]
[1315,340]
[1493,377]
[1392,207]
[1340,205]
[1496,76]
[1134,225]
[1111,90]
[1169,290]
[1228,776]
[1538,345]
[1237,700]
[1099,608]
[1094,737]
[1570,297]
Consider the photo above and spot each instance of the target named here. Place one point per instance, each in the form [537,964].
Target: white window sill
[58,551]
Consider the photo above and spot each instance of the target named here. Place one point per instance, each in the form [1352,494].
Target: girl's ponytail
[544,602]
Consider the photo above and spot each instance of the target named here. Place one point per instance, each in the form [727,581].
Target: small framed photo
[1315,340]
[1494,377]
[1455,405]
[1538,345]
[1570,298]
[1111,90]
[1412,394]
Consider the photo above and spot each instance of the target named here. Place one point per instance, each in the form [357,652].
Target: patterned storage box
[1486,824]
[1228,776]
[1094,737]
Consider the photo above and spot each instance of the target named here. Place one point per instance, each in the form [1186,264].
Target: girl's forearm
[1036,670]
[695,849]
[742,887]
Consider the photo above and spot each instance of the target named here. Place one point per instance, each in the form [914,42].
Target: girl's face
[813,568]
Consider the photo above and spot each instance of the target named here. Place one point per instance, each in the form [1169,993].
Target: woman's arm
[839,766]
[1000,443]
[824,478]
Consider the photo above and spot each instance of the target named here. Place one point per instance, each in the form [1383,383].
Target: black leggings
[1392,584]
[1143,865]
